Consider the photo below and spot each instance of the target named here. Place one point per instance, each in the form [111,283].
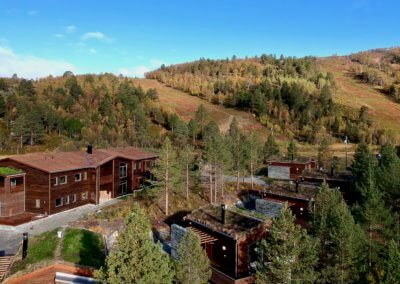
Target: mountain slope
[186,105]
[354,93]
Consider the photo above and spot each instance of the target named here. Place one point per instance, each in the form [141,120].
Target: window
[123,170]
[78,177]
[138,165]
[73,198]
[123,186]
[63,179]
[148,165]
[13,182]
[37,203]
[54,181]
[66,199]
[84,195]
[85,176]
[59,202]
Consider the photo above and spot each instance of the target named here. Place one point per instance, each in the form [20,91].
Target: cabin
[289,170]
[229,236]
[48,183]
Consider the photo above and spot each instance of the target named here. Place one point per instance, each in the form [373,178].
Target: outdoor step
[5,263]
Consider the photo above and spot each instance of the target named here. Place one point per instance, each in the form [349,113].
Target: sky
[39,38]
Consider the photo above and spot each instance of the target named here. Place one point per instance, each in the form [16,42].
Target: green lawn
[83,247]
[40,248]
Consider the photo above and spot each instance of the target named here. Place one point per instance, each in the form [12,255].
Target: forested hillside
[288,95]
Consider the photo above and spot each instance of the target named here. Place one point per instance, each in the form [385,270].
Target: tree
[193,265]
[193,129]
[341,240]
[3,107]
[237,149]
[287,254]
[292,150]
[167,171]
[392,264]
[187,158]
[271,148]
[202,116]
[324,155]
[26,88]
[136,259]
[253,155]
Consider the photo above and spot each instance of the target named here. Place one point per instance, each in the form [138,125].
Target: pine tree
[237,149]
[392,264]
[271,148]
[202,117]
[136,259]
[253,155]
[193,265]
[341,240]
[168,171]
[287,254]
[187,157]
[292,150]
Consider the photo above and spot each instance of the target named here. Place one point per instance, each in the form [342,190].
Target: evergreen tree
[136,259]
[3,107]
[341,240]
[187,157]
[237,149]
[253,155]
[392,264]
[193,265]
[193,129]
[202,117]
[292,150]
[287,254]
[271,148]
[168,171]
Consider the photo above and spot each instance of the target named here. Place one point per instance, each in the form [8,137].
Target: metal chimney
[24,245]
[223,210]
[89,149]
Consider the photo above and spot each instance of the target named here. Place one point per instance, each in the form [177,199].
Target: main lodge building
[48,183]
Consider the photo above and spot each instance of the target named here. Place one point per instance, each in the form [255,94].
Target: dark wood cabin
[230,239]
[12,192]
[59,181]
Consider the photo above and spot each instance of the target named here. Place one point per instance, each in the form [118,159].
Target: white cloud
[33,12]
[70,29]
[30,66]
[137,71]
[94,35]
[58,35]
[92,50]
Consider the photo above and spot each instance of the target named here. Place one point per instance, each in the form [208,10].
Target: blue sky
[44,37]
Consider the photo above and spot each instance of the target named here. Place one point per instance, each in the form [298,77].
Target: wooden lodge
[48,183]
[229,237]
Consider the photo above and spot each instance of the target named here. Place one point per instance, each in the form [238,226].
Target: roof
[269,208]
[66,161]
[305,192]
[236,224]
[292,162]
[7,171]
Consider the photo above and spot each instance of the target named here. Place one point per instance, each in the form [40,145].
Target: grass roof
[6,171]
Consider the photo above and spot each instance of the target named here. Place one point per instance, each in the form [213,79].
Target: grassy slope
[354,94]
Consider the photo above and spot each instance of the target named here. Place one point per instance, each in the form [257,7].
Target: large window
[13,182]
[123,187]
[123,170]
[63,179]
[59,202]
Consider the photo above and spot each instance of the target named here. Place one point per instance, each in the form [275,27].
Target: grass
[40,248]
[4,171]
[83,247]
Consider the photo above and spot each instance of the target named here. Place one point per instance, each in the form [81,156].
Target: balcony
[106,179]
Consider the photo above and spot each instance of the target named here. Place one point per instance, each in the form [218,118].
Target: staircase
[5,262]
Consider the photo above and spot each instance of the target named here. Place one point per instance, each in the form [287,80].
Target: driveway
[10,236]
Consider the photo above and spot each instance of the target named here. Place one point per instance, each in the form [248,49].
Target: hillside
[355,93]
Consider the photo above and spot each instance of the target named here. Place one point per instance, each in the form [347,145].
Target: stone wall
[279,172]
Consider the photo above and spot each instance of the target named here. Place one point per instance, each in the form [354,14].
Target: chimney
[89,149]
[223,209]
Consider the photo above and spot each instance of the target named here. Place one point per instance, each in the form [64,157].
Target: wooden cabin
[229,237]
[289,170]
[58,181]
[12,192]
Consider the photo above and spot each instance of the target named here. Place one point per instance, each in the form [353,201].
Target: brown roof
[305,192]
[236,224]
[66,161]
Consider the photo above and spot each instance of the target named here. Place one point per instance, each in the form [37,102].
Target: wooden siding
[36,186]
[12,197]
